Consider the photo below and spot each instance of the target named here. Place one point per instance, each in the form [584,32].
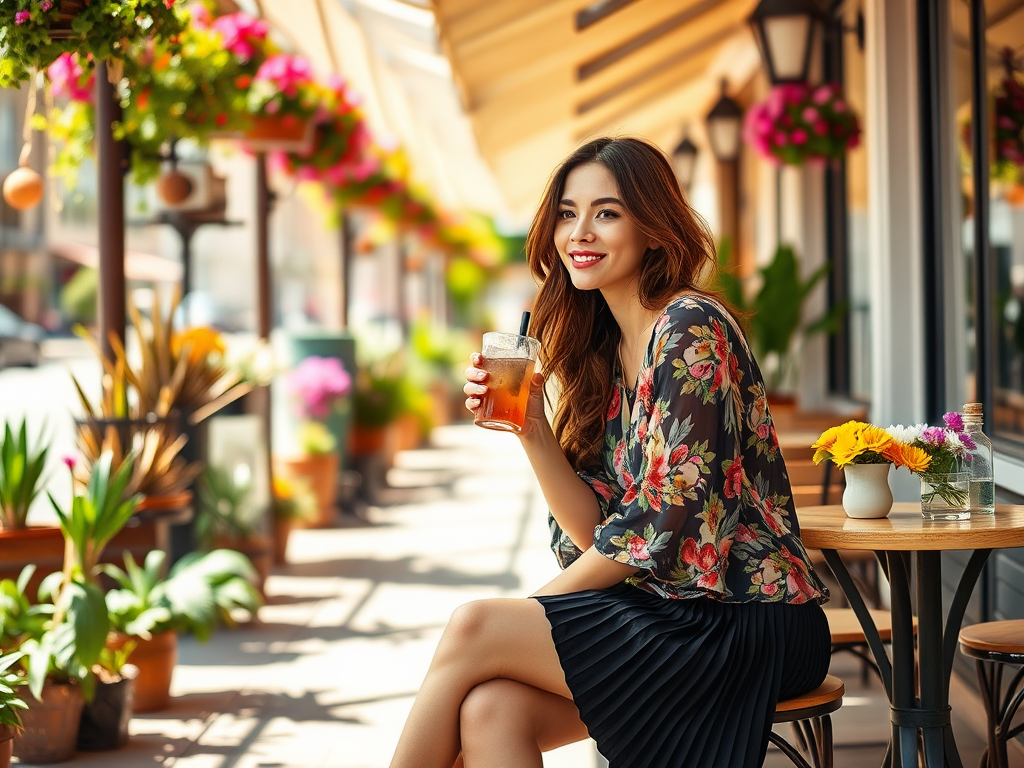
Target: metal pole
[110,172]
[347,247]
[263,312]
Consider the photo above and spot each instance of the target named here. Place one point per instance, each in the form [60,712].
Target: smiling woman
[671,510]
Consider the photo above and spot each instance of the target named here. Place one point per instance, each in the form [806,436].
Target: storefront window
[1004,83]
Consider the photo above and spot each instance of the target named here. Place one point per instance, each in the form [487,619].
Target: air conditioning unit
[208,194]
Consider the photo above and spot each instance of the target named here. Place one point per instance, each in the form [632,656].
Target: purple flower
[22,16]
[318,383]
[934,436]
[968,441]
[954,421]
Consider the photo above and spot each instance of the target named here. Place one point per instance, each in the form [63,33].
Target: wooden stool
[812,724]
[848,635]
[994,644]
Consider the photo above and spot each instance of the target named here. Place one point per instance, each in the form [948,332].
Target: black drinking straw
[524,324]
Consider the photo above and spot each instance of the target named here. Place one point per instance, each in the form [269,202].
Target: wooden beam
[598,12]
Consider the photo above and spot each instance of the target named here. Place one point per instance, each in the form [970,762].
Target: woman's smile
[585,259]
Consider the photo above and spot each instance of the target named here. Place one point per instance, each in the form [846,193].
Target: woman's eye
[607,214]
[565,214]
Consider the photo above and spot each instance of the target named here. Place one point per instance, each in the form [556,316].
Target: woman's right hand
[475,388]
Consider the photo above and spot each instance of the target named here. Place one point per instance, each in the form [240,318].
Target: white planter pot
[867,493]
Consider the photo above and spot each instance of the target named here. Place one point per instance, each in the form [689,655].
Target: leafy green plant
[200,593]
[776,310]
[20,471]
[378,398]
[20,616]
[96,516]
[225,507]
[10,681]
[293,499]
[104,29]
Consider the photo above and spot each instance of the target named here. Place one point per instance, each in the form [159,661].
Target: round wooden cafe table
[894,539]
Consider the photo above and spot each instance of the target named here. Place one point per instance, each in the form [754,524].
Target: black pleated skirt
[693,683]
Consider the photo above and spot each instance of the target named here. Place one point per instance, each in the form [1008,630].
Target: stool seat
[845,626]
[993,638]
[827,697]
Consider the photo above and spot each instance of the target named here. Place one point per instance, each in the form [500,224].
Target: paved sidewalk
[327,676]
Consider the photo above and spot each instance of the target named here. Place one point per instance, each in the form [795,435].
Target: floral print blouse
[694,491]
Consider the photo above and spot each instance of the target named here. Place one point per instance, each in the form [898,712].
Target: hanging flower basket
[286,133]
[799,123]
[35,33]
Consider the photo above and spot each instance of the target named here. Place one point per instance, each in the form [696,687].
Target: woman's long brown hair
[577,332]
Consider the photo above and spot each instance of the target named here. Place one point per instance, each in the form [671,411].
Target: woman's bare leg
[506,724]
[485,640]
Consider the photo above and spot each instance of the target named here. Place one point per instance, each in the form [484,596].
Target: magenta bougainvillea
[801,123]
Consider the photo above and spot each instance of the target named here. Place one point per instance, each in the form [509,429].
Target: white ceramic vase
[867,493]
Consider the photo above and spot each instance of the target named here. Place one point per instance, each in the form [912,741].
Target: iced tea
[508,391]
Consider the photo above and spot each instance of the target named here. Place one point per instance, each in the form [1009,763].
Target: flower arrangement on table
[932,453]
[800,122]
[319,385]
[36,32]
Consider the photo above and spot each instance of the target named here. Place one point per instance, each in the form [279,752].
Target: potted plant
[11,679]
[293,505]
[36,32]
[376,403]
[21,472]
[104,720]
[228,519]
[200,592]
[318,385]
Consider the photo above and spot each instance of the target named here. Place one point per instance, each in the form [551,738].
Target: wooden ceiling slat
[724,20]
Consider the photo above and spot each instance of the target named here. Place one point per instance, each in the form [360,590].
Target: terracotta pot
[321,475]
[282,532]
[165,503]
[23,189]
[364,441]
[155,659]
[41,545]
[257,547]
[6,745]
[104,721]
[51,725]
[61,29]
[279,132]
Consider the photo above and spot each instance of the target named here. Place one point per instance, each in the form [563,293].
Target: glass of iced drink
[508,359]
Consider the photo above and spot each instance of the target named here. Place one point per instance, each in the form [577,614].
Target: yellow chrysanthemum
[827,438]
[821,454]
[201,343]
[909,456]
[874,439]
[845,448]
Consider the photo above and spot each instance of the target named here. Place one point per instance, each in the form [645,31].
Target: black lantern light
[784,30]
[684,160]
[724,123]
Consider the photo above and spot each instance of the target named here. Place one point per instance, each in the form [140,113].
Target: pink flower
[839,106]
[780,139]
[66,75]
[69,462]
[47,5]
[22,16]
[287,72]
[820,128]
[954,421]
[799,136]
[200,15]
[319,383]
[810,115]
[637,546]
[241,32]
[822,94]
[168,4]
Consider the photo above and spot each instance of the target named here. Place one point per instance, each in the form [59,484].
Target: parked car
[20,340]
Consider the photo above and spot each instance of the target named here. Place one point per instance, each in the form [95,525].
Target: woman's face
[596,239]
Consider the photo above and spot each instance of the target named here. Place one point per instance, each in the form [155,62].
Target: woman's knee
[494,703]
[467,627]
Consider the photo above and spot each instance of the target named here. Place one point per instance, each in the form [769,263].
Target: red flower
[734,479]
[638,548]
[615,405]
[654,480]
[704,558]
